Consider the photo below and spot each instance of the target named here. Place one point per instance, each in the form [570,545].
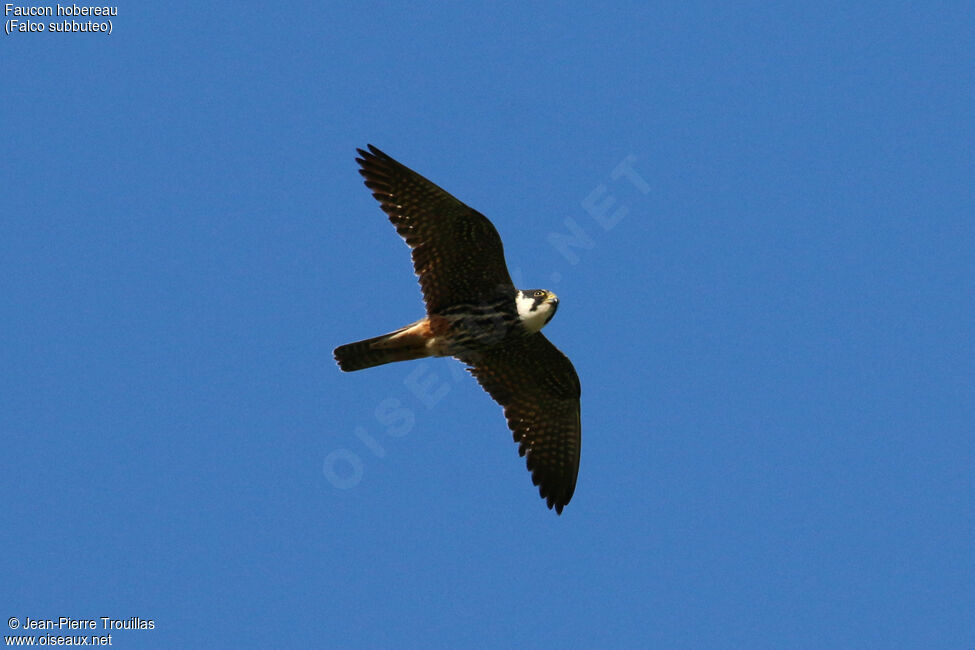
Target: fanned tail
[405,344]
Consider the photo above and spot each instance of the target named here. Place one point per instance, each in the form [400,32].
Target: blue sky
[774,336]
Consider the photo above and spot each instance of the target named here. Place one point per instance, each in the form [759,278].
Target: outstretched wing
[539,390]
[457,252]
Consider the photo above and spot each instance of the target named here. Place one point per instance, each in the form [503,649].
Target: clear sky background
[774,336]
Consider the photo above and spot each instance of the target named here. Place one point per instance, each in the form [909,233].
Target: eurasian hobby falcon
[474,313]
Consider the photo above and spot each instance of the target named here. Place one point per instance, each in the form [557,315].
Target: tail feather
[400,345]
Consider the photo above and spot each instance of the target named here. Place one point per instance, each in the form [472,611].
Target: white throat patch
[534,316]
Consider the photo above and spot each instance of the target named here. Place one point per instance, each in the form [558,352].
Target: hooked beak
[554,301]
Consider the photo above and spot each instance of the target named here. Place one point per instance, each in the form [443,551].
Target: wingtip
[371,151]
[554,501]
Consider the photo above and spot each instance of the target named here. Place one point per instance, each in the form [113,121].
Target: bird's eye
[539,294]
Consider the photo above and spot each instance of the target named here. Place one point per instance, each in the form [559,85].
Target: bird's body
[474,313]
[463,331]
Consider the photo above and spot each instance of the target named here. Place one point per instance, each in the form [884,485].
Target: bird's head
[536,308]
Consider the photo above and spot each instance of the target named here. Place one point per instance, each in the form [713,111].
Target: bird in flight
[475,313]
